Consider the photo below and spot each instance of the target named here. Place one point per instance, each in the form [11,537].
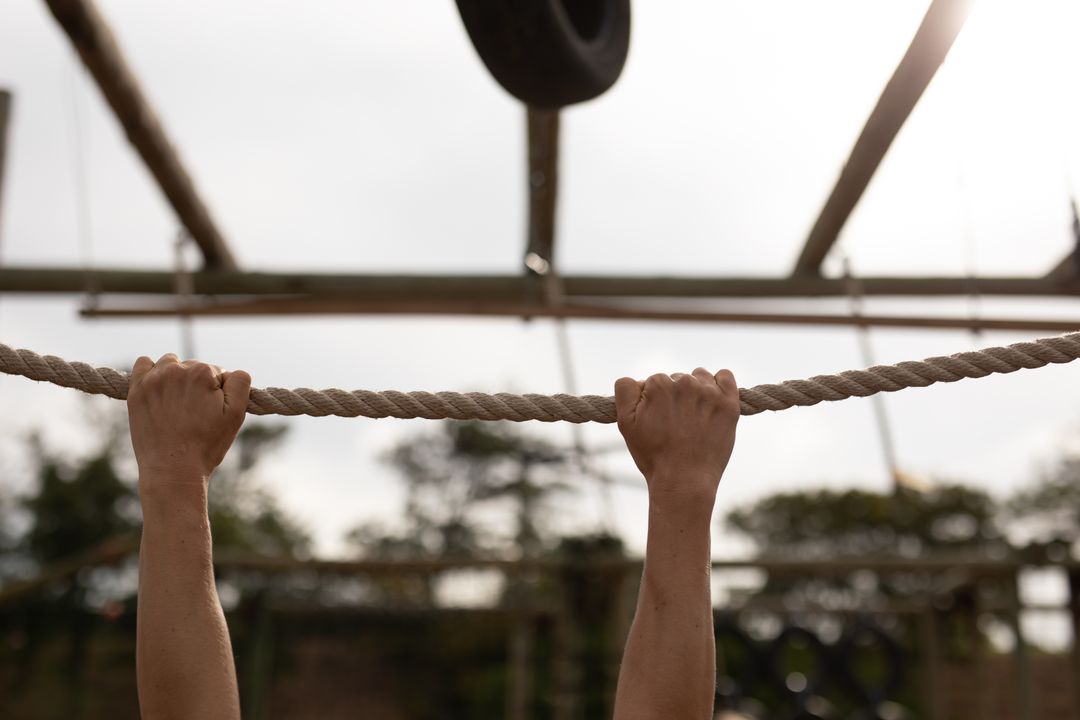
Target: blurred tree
[75,504]
[949,520]
[1049,510]
[455,473]
[858,523]
[78,503]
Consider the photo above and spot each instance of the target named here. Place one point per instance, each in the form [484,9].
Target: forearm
[669,665]
[183,654]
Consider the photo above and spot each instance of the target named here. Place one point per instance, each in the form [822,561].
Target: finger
[142,366]
[168,359]
[217,377]
[237,387]
[627,394]
[726,380]
[658,380]
[704,376]
[204,373]
[682,380]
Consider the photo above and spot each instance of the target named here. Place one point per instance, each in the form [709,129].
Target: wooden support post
[939,28]
[566,658]
[1074,616]
[543,138]
[519,692]
[261,661]
[101,54]
[1025,696]
[622,616]
[933,687]
[982,664]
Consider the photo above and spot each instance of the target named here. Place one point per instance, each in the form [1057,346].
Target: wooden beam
[441,308]
[543,180]
[507,288]
[101,54]
[108,552]
[973,565]
[932,41]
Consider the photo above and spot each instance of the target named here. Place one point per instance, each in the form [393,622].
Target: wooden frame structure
[222,289]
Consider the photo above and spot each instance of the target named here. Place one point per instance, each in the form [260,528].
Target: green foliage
[826,525]
[1052,505]
[451,476]
[858,523]
[77,505]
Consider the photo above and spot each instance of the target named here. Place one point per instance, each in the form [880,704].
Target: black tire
[550,53]
[814,683]
[893,655]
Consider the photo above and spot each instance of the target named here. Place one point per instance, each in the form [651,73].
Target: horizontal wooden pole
[489,288]
[973,565]
[108,552]
[345,306]
[101,54]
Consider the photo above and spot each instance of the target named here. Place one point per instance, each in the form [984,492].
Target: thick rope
[586,408]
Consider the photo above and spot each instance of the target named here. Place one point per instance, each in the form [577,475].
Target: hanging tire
[550,53]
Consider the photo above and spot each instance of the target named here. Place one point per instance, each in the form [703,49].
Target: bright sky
[368,137]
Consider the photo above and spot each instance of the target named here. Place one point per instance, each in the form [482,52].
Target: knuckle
[726,376]
[152,380]
[171,371]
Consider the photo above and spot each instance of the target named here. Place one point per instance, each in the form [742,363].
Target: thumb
[236,386]
[627,394]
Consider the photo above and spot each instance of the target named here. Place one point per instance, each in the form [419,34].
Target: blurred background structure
[346,197]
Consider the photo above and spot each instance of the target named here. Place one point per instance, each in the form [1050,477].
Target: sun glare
[1017,68]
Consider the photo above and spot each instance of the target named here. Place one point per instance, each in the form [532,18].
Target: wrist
[683,487]
[686,512]
[165,495]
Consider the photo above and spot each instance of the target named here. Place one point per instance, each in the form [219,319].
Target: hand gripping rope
[571,408]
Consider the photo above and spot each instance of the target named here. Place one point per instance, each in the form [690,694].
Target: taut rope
[572,408]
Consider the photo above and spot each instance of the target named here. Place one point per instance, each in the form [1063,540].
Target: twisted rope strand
[571,408]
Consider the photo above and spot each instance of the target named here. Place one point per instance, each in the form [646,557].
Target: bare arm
[184,417]
[680,431]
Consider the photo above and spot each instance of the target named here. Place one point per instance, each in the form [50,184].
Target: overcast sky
[368,137]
